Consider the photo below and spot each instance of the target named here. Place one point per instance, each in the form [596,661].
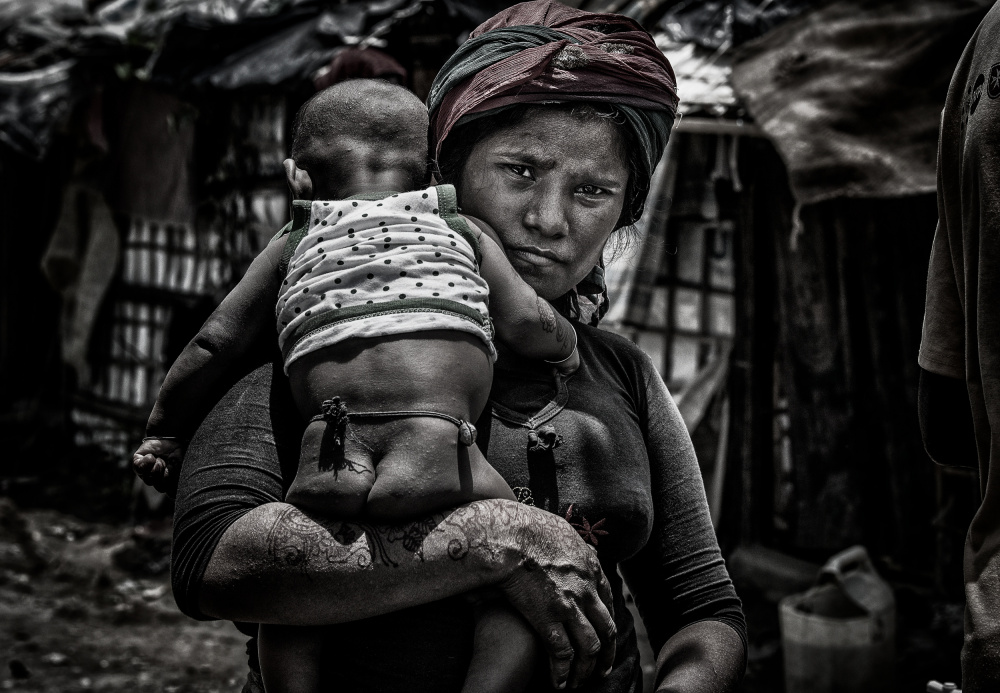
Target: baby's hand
[157,462]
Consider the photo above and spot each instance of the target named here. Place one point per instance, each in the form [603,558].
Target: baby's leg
[504,651]
[290,658]
[332,480]
[425,469]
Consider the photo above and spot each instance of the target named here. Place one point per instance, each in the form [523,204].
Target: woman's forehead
[550,136]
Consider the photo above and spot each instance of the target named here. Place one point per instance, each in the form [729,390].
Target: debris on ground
[86,606]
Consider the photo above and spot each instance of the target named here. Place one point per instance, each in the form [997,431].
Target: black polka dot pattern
[391,252]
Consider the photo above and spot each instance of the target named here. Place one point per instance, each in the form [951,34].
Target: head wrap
[545,52]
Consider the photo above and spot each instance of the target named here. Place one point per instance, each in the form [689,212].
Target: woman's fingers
[560,651]
[574,624]
[576,650]
[586,648]
[604,622]
[558,585]
[606,595]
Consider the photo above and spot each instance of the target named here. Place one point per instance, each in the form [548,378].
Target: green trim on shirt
[296,230]
[448,209]
[366,310]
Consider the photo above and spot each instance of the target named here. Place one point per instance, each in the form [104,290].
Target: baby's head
[358,136]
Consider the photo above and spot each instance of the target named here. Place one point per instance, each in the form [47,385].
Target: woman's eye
[519,170]
[591,190]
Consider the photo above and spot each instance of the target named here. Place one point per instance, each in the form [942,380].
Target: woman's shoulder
[611,357]
[606,345]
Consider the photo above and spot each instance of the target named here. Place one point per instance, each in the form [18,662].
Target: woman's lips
[533,255]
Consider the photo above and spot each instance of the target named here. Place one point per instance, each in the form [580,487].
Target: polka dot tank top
[379,265]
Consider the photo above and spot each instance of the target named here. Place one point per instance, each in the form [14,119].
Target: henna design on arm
[551,322]
[305,543]
[546,316]
[300,542]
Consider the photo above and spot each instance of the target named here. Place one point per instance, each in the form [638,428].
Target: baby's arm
[206,366]
[523,320]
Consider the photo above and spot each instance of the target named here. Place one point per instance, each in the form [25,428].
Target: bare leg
[290,658]
[504,651]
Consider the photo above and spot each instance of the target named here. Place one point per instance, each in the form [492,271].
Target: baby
[386,305]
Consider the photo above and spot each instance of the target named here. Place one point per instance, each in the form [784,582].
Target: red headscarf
[545,51]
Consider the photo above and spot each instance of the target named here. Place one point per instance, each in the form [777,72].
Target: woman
[605,449]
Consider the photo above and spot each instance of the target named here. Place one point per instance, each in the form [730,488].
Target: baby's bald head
[361,135]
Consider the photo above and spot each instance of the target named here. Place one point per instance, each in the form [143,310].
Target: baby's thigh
[425,469]
[291,657]
[332,480]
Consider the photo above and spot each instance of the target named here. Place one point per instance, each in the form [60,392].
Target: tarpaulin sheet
[33,103]
[52,47]
[719,24]
[851,93]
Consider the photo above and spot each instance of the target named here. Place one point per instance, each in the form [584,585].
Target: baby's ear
[299,181]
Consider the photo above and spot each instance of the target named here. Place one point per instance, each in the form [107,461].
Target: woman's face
[552,187]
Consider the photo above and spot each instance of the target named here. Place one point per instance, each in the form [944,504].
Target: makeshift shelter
[140,158]
[777,280]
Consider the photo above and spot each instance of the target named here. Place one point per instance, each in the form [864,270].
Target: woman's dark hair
[463,138]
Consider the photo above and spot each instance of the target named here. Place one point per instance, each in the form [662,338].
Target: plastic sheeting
[719,24]
[50,48]
[851,93]
[31,105]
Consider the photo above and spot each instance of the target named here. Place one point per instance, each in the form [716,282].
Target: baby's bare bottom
[396,469]
[391,469]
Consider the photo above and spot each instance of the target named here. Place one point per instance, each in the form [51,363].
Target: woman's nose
[546,213]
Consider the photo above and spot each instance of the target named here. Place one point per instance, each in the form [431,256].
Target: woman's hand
[276,564]
[557,584]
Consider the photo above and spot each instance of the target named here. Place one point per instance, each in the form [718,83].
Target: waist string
[335,412]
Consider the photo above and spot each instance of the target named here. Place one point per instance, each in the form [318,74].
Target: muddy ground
[86,606]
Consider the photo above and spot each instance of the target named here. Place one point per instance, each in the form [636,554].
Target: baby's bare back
[398,467]
[440,370]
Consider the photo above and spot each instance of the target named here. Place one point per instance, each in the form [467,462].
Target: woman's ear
[299,181]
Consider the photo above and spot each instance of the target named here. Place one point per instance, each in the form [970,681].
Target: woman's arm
[241,554]
[679,580]
[705,656]
[278,565]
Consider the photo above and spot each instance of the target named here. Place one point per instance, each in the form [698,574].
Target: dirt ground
[87,607]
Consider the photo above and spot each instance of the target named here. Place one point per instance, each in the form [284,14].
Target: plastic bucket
[835,642]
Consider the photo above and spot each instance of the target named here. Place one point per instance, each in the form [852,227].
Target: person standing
[959,396]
